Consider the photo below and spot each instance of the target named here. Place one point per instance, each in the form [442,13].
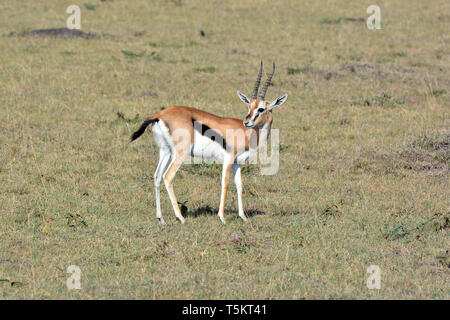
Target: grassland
[364,163]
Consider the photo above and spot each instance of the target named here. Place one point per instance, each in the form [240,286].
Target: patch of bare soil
[63,33]
[427,153]
[430,152]
[364,70]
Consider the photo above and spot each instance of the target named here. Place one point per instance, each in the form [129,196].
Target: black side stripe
[212,134]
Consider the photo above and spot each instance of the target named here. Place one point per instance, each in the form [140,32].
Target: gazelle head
[260,110]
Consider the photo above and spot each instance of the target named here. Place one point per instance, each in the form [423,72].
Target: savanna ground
[364,160]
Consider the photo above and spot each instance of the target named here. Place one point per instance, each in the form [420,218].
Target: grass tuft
[90,6]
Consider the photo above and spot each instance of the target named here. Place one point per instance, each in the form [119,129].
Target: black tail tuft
[141,130]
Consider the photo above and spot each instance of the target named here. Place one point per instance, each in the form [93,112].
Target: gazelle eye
[261,110]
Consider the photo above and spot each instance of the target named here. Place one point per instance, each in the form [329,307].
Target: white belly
[206,149]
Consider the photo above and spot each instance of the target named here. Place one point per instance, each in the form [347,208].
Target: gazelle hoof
[161,221]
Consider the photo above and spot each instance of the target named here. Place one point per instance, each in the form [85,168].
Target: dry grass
[363,172]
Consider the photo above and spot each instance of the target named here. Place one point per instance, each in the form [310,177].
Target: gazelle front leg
[227,162]
[238,182]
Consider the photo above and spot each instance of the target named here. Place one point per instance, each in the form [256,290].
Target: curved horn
[266,84]
[258,81]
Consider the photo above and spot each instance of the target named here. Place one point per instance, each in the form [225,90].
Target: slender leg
[178,157]
[225,178]
[238,182]
[164,156]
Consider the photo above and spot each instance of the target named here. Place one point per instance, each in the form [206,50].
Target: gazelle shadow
[207,210]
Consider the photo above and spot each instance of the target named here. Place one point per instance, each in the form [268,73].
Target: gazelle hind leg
[164,156]
[169,175]
[238,182]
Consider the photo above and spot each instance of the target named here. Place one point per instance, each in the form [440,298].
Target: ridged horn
[266,84]
[258,81]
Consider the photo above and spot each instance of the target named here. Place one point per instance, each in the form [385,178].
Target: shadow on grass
[207,211]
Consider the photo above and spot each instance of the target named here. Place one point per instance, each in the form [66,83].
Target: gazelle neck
[263,133]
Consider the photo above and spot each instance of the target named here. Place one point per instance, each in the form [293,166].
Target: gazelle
[180,131]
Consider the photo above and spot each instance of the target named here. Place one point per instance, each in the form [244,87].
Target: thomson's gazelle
[180,131]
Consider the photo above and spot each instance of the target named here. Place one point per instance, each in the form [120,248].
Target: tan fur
[179,117]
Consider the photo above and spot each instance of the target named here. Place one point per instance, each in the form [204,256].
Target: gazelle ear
[278,102]
[243,97]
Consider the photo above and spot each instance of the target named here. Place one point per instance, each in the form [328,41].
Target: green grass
[89,6]
[364,165]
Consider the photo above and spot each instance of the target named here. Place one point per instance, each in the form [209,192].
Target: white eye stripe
[255,114]
[257,111]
